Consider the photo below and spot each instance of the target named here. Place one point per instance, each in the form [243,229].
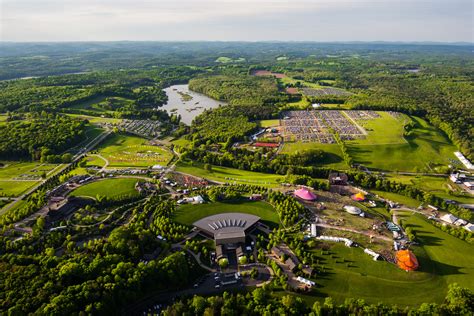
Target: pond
[186,103]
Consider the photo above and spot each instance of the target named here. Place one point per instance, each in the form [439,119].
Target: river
[186,103]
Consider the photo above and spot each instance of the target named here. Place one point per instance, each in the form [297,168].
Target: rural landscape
[195,177]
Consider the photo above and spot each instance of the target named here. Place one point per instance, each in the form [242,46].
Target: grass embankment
[109,188]
[188,214]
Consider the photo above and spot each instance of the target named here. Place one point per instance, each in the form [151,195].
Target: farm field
[109,188]
[427,145]
[333,156]
[132,151]
[224,174]
[188,214]
[17,177]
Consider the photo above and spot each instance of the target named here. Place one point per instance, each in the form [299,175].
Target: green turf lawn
[382,131]
[95,161]
[443,259]
[11,181]
[269,123]
[426,145]
[181,142]
[189,213]
[332,158]
[132,151]
[15,188]
[109,187]
[224,174]
[408,201]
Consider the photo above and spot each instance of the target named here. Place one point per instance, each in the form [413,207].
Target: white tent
[469,227]
[449,218]
[352,210]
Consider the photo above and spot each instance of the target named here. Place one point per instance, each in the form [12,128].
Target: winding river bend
[186,103]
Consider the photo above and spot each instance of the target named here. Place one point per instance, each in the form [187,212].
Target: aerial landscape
[235,173]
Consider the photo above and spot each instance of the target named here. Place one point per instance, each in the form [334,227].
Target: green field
[109,188]
[17,177]
[188,214]
[384,130]
[230,175]
[332,158]
[269,123]
[443,259]
[132,151]
[425,149]
[408,201]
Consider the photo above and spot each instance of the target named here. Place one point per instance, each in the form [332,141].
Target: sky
[237,20]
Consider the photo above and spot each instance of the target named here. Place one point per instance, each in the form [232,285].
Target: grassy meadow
[132,151]
[425,149]
[109,188]
[230,175]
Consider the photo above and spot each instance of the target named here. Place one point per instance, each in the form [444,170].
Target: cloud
[27,20]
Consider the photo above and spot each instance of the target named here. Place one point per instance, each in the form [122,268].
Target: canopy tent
[352,210]
[305,194]
[358,197]
[406,260]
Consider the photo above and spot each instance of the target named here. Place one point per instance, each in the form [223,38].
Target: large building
[227,228]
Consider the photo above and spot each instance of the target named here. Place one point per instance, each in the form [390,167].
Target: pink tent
[305,194]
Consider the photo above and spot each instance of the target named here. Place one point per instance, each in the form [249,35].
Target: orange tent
[406,260]
[358,197]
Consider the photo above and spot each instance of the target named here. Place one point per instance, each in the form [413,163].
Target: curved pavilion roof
[226,225]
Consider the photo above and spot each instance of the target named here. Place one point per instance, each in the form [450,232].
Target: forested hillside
[41,137]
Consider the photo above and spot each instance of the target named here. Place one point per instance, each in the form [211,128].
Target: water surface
[188,109]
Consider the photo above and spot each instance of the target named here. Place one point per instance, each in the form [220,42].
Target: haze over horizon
[237,20]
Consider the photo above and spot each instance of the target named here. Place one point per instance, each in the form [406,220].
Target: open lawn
[398,198]
[132,151]
[188,214]
[17,177]
[425,149]
[443,259]
[109,188]
[269,123]
[230,175]
[332,157]
[383,130]
[96,119]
